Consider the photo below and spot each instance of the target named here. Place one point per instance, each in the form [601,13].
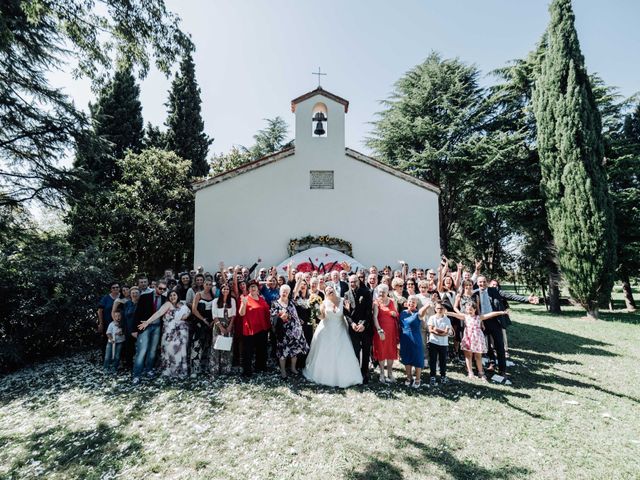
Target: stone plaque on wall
[322,179]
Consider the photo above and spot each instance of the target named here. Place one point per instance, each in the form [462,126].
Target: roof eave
[324,93]
[393,171]
[259,162]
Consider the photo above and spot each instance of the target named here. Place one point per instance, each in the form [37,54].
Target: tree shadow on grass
[536,352]
[94,453]
[539,339]
[621,316]
[442,455]
[453,392]
[376,469]
[42,384]
[545,380]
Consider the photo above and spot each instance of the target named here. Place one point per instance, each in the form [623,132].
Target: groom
[358,312]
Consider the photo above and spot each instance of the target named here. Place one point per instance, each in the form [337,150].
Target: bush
[49,297]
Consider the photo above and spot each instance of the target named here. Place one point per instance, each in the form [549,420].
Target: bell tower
[320,122]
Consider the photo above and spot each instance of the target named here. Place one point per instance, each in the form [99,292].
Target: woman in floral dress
[290,341]
[174,356]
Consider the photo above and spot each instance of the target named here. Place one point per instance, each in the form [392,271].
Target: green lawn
[573,412]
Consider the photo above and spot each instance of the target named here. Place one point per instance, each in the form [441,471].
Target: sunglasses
[162,289]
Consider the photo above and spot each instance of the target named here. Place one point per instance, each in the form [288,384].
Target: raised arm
[519,298]
[243,306]
[457,281]
[234,283]
[477,271]
[254,266]
[289,270]
[457,315]
[161,311]
[487,316]
[423,310]
[456,304]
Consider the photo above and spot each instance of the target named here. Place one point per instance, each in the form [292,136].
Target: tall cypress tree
[571,153]
[116,120]
[185,134]
[116,128]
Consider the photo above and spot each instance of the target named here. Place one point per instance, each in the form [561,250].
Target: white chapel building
[318,193]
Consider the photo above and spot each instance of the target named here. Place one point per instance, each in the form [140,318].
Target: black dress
[304,314]
[201,336]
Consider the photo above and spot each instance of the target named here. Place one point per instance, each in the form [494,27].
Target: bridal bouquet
[314,303]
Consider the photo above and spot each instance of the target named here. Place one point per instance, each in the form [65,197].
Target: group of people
[333,326]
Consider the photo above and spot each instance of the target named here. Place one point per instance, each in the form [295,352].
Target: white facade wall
[256,213]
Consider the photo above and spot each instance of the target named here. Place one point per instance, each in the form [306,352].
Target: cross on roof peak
[318,73]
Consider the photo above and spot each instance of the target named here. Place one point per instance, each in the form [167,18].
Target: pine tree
[38,122]
[433,129]
[154,137]
[117,127]
[571,154]
[271,139]
[185,134]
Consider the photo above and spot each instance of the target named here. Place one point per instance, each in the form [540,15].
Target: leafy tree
[271,139]
[623,169]
[48,292]
[224,162]
[185,135]
[148,221]
[36,37]
[571,152]
[433,128]
[268,140]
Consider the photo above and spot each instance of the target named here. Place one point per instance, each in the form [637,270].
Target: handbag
[223,343]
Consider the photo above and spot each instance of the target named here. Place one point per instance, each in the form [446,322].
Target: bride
[331,360]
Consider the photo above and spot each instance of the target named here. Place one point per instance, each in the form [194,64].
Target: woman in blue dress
[411,347]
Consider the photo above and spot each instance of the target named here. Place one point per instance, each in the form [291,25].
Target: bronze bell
[319,130]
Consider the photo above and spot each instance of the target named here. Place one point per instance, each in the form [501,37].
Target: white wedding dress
[331,360]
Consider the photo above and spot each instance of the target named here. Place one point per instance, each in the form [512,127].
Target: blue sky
[254,56]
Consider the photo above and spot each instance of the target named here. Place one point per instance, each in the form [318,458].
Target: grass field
[572,412]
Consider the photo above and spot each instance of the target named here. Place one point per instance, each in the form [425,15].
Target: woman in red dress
[256,322]
[385,340]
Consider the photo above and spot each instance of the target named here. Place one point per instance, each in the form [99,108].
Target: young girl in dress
[473,343]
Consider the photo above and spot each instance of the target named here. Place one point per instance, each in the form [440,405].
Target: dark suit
[148,339]
[493,327]
[360,312]
[145,308]
[344,286]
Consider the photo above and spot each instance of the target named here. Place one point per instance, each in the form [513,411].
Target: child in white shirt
[440,329]
[114,345]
